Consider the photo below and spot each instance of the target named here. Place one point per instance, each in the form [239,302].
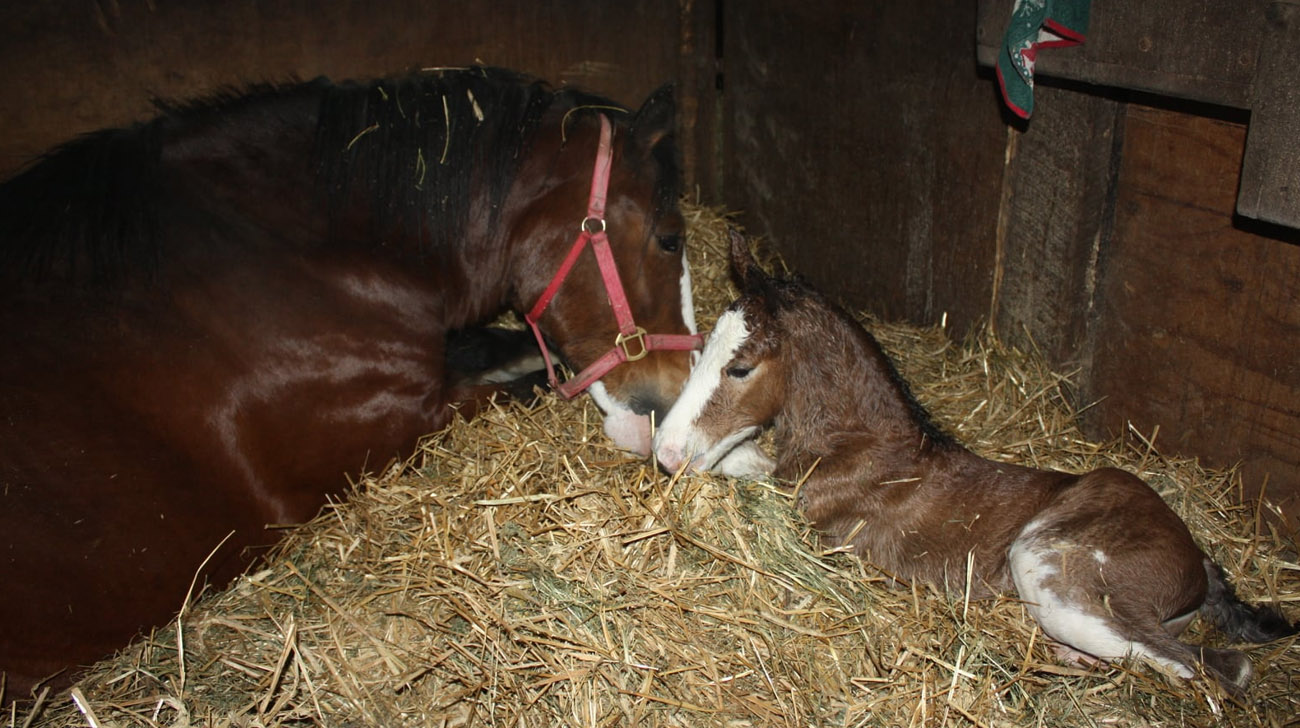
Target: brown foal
[1102,563]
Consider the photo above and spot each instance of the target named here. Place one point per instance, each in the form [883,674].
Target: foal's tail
[1241,622]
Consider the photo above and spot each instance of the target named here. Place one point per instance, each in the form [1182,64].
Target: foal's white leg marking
[626,428]
[1033,569]
[678,439]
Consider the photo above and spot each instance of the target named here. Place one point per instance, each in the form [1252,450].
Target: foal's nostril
[669,459]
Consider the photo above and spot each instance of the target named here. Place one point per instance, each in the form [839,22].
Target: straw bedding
[520,571]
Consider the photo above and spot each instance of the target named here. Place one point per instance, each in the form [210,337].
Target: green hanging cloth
[1036,24]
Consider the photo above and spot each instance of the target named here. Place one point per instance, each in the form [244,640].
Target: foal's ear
[655,120]
[745,271]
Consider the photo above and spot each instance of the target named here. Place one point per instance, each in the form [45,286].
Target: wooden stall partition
[1146,256]
[1120,256]
[1053,221]
[72,67]
[1198,316]
[860,139]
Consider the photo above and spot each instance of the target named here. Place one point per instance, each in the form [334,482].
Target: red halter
[632,342]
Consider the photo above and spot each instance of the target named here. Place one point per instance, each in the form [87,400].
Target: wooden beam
[1201,50]
[1270,168]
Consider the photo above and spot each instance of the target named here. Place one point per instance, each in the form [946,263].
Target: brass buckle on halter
[638,335]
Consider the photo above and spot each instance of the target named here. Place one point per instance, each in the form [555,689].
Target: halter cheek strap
[632,342]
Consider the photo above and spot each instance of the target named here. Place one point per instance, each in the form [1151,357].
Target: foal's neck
[849,401]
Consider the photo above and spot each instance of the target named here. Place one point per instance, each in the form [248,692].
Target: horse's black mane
[88,209]
[414,142]
[85,208]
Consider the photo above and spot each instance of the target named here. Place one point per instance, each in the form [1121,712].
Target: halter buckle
[638,335]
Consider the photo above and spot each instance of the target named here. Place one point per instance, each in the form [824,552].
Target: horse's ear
[745,271]
[655,120]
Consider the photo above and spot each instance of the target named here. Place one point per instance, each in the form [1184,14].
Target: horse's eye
[670,243]
[739,372]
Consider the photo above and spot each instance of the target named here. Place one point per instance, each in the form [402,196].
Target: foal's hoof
[1231,667]
[1074,658]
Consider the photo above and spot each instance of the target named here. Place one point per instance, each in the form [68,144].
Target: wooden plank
[1202,50]
[1270,183]
[873,163]
[1197,319]
[71,66]
[1056,216]
[699,98]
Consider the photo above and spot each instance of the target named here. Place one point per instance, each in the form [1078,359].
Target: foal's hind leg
[1063,582]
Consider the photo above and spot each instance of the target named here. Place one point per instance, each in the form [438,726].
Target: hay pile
[519,571]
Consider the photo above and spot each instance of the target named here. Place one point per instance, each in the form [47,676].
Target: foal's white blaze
[678,438]
[745,460]
[1033,569]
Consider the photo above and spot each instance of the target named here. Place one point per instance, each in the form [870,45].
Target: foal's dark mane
[414,146]
[790,290]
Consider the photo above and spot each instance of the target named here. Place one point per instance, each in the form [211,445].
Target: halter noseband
[632,342]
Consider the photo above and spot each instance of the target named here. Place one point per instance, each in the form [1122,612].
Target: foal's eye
[739,372]
[670,243]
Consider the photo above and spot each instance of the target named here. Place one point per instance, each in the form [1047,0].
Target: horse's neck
[846,404]
[267,128]
[256,159]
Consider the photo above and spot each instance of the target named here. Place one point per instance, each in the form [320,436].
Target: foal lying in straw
[1107,569]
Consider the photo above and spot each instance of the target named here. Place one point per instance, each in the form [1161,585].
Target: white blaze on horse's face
[680,439]
[626,428]
[688,305]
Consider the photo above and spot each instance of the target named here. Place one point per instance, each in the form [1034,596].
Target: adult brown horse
[1107,569]
[211,318]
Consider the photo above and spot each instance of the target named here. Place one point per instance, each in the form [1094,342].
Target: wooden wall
[860,138]
[1197,316]
[1123,257]
[71,66]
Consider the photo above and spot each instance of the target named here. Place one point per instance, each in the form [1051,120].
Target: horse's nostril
[657,415]
[648,406]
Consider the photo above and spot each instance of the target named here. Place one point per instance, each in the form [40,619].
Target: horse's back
[99,505]
[143,424]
